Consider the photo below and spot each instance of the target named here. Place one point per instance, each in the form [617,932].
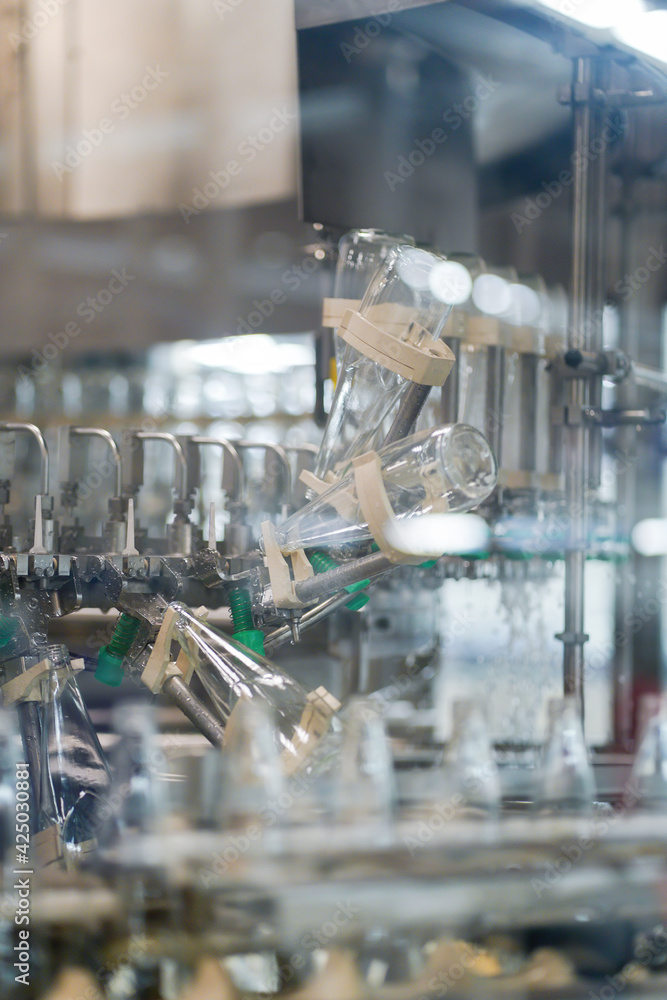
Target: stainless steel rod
[197,713]
[652,378]
[575,432]
[409,409]
[345,575]
[310,618]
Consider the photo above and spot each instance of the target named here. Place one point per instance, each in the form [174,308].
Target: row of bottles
[276,731]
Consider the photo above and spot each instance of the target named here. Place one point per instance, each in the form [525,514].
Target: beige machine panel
[111,109]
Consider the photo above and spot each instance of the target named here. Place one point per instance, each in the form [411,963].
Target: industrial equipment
[373,709]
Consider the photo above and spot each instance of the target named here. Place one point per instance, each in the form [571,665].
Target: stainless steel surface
[407,413]
[193,709]
[308,619]
[344,576]
[580,337]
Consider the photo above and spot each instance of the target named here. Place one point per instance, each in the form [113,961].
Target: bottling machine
[370,709]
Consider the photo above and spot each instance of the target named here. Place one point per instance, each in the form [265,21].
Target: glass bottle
[404,300]
[360,253]
[251,769]
[470,769]
[139,804]
[647,789]
[565,782]
[230,672]
[74,776]
[362,779]
[449,468]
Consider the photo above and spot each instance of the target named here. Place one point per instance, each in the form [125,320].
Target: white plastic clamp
[284,575]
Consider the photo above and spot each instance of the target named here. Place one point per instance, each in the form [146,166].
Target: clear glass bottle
[139,804]
[252,777]
[647,789]
[448,468]
[360,253]
[404,300]
[230,672]
[74,776]
[565,782]
[470,770]
[362,778]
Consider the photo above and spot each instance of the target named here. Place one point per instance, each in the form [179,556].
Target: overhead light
[491,294]
[451,282]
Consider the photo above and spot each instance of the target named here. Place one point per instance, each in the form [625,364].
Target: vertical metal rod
[575,433]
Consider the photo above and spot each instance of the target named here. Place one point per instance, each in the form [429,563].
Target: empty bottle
[74,776]
[446,469]
[230,672]
[403,301]
[362,778]
[471,773]
[360,254]
[647,789]
[251,768]
[137,802]
[565,780]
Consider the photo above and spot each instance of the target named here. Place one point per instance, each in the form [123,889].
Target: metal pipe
[113,447]
[575,436]
[651,378]
[310,618]
[344,576]
[228,449]
[197,713]
[43,450]
[279,454]
[179,454]
[406,416]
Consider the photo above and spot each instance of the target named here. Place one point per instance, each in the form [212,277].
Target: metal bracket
[572,638]
[580,93]
[622,418]
[574,363]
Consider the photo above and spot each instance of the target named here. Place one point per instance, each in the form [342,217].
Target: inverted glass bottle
[648,783]
[229,672]
[565,780]
[360,254]
[140,800]
[470,769]
[448,468]
[403,300]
